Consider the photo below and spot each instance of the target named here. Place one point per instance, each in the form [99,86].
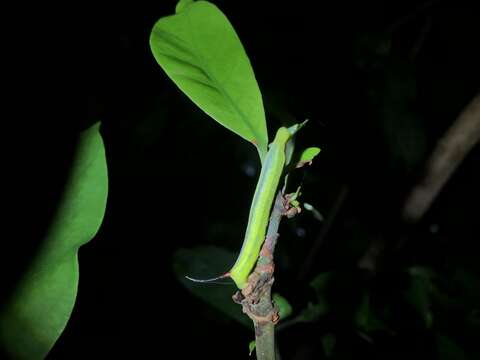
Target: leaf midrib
[196,55]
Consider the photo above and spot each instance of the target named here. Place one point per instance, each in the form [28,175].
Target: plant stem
[265,330]
[265,342]
[256,298]
[451,149]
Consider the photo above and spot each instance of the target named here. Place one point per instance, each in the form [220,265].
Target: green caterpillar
[265,191]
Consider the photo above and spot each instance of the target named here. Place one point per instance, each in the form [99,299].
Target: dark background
[380,83]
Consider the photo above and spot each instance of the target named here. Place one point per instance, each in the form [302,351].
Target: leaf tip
[182,4]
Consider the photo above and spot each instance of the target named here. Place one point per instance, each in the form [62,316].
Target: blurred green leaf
[363,312]
[468,285]
[328,343]
[313,311]
[418,293]
[284,307]
[200,51]
[366,319]
[251,347]
[206,262]
[447,349]
[320,283]
[42,303]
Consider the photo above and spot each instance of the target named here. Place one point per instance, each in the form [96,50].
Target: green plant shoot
[198,48]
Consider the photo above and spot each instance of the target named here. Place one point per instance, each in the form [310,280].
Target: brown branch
[256,298]
[449,152]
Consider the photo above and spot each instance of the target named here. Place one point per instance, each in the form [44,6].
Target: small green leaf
[307,156]
[295,203]
[284,307]
[200,51]
[205,262]
[42,303]
[251,347]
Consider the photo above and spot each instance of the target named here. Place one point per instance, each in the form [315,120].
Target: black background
[174,173]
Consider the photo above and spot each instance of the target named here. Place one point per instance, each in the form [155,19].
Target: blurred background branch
[447,155]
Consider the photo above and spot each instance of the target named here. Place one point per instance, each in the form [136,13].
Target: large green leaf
[43,300]
[200,51]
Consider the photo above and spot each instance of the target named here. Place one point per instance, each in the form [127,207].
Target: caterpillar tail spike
[211,280]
